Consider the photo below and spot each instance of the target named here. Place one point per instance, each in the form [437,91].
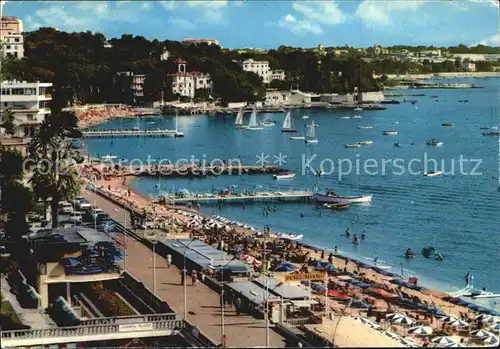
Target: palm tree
[60,183]
[8,121]
[44,139]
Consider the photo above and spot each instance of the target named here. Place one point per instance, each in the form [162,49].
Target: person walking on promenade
[183,276]
[194,277]
[202,276]
[169,260]
[238,305]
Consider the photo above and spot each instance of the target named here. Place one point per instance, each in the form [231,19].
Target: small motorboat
[337,206]
[297,138]
[365,142]
[305,117]
[286,175]
[344,117]
[435,143]
[433,173]
[357,117]
[355,145]
[268,123]
[491,133]
[390,133]
[447,124]
[365,127]
[109,157]
[358,109]
[328,198]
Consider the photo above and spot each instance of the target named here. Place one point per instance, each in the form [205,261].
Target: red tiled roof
[179,61]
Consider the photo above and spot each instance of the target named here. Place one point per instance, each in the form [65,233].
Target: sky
[269,24]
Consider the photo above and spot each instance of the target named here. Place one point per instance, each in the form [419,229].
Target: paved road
[203,303]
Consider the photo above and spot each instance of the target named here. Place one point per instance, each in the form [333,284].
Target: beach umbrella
[491,340]
[408,342]
[458,323]
[393,316]
[420,330]
[443,340]
[489,319]
[391,335]
[495,327]
[481,334]
[449,319]
[456,345]
[363,320]
[405,320]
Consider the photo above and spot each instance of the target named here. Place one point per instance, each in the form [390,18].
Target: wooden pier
[199,171]
[131,133]
[242,198]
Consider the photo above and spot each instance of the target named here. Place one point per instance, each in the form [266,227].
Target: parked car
[95,211]
[83,204]
[106,226]
[76,217]
[65,207]
[102,217]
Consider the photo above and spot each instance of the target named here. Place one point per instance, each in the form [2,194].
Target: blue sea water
[458,214]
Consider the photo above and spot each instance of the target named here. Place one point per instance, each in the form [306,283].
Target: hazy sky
[266,24]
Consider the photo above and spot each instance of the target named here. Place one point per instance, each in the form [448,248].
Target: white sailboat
[253,125]
[238,123]
[311,133]
[287,124]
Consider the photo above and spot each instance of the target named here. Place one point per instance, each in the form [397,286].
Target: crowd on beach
[95,115]
[380,298]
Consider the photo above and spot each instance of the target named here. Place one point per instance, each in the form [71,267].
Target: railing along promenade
[112,328]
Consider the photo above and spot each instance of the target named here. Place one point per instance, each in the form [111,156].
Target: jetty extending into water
[131,133]
[275,196]
[200,171]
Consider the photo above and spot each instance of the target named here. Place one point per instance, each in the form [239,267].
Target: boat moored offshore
[285,175]
[390,133]
[433,173]
[331,198]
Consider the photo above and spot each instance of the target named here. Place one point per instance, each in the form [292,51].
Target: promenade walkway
[203,303]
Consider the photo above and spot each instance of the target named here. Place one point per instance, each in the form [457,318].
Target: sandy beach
[299,254]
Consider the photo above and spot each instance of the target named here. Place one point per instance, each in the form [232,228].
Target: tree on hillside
[8,121]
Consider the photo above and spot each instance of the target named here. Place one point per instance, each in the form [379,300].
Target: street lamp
[222,334]
[154,241]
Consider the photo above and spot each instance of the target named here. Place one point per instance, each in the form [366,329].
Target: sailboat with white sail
[238,123]
[253,125]
[311,133]
[287,124]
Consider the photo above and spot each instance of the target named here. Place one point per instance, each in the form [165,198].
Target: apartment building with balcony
[72,255]
[186,83]
[11,37]
[125,79]
[263,69]
[29,102]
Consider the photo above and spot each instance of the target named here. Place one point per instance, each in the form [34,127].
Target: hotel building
[186,83]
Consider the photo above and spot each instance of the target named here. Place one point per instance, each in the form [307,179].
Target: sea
[458,213]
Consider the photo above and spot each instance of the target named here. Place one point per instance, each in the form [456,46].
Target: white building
[209,42]
[277,98]
[136,82]
[261,68]
[278,74]
[11,37]
[30,103]
[186,83]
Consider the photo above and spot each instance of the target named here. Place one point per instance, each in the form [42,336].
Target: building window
[16,40]
[5,104]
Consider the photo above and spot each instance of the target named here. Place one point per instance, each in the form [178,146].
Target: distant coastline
[451,75]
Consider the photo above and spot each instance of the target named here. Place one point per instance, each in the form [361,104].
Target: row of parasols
[488,338]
